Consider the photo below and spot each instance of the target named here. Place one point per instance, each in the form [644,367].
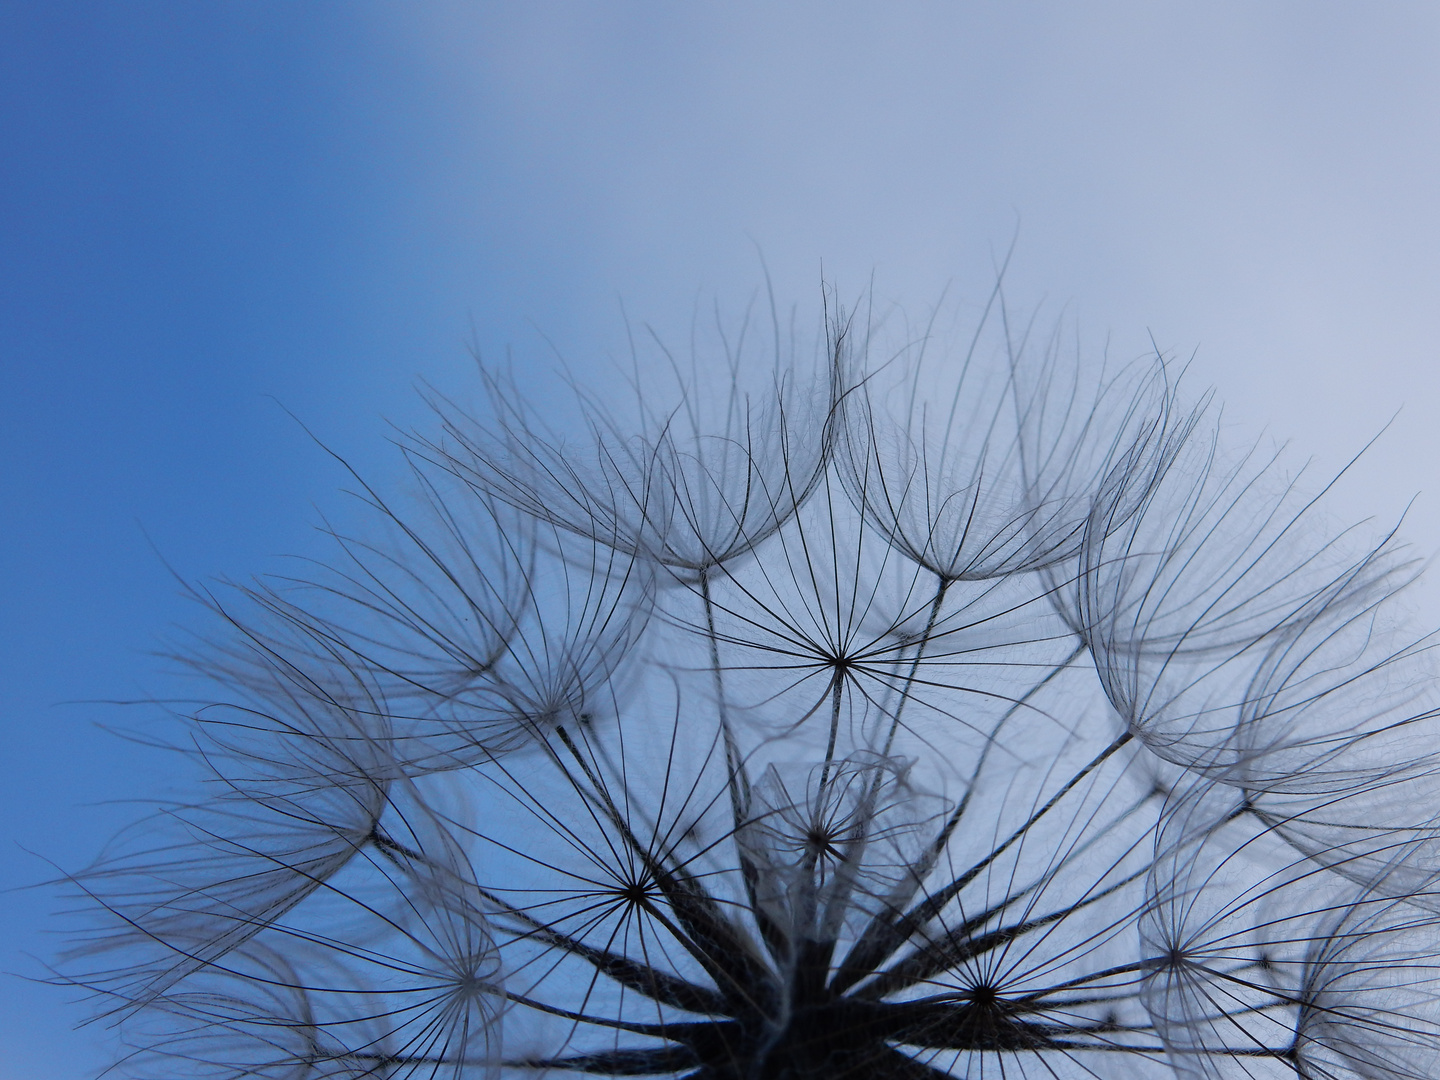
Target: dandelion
[478,627]
[391,974]
[298,786]
[950,712]
[696,481]
[990,466]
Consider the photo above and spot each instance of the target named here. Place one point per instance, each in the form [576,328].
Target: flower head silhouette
[923,712]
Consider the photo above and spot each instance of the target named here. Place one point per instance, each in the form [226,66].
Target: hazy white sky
[205,204]
[1253,183]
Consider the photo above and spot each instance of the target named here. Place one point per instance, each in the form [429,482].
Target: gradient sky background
[206,208]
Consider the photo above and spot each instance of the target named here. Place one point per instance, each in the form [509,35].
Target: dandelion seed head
[956,705]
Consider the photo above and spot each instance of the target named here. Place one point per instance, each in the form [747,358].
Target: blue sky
[210,211]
